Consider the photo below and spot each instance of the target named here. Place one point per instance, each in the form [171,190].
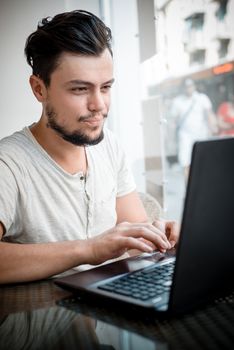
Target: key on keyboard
[144,284]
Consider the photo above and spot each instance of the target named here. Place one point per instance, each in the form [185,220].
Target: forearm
[28,262]
[213,123]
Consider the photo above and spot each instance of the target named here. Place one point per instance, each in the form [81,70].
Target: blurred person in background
[225,115]
[194,119]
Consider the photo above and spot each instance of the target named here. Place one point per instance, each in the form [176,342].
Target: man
[195,120]
[67,197]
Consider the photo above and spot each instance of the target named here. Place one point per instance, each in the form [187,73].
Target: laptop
[202,266]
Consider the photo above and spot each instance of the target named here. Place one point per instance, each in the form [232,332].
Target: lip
[93,121]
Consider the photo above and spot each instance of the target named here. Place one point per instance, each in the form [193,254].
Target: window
[223,47]
[197,57]
[222,10]
[195,21]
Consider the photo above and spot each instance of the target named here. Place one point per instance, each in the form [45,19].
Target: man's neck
[70,157]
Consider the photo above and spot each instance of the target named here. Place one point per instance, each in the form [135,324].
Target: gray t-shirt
[41,202]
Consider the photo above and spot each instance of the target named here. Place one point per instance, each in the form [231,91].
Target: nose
[96,102]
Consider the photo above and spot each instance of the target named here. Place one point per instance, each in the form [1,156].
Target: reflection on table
[40,315]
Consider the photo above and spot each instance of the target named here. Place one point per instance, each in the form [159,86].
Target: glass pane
[191,81]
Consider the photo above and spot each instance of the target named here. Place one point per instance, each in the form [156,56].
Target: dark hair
[77,31]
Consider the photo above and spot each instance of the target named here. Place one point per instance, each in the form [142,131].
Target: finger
[160,224]
[151,227]
[172,232]
[147,242]
[132,243]
[148,234]
[171,229]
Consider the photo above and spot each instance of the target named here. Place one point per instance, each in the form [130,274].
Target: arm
[130,208]
[212,121]
[28,262]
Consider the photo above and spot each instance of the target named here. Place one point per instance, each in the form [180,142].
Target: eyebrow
[84,82]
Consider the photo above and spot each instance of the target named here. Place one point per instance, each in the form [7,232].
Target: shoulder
[203,99]
[15,147]
[15,139]
[9,144]
[202,96]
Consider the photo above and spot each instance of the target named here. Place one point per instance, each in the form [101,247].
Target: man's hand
[115,242]
[170,228]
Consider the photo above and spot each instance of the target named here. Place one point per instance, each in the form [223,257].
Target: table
[41,315]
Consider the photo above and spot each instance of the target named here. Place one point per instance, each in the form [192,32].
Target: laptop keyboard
[145,284]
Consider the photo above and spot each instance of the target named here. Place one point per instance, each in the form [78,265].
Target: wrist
[84,251]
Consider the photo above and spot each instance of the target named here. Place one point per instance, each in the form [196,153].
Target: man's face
[189,89]
[78,97]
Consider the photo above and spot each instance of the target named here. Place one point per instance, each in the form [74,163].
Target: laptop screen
[205,256]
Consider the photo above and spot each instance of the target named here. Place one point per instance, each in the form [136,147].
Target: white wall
[18,105]
[17,20]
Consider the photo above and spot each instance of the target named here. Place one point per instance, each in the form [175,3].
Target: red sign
[224,68]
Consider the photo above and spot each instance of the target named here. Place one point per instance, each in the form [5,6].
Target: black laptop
[202,268]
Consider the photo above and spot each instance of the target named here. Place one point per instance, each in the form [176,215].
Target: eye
[79,89]
[106,87]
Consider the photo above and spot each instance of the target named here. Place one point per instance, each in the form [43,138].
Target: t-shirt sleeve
[8,195]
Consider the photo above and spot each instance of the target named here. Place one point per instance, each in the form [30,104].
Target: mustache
[90,116]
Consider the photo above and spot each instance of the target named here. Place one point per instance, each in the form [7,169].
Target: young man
[67,196]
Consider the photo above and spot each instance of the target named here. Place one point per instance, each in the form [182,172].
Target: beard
[77,138]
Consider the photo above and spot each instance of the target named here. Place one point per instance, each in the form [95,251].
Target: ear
[38,87]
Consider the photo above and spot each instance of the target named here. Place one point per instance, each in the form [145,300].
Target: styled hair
[78,32]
